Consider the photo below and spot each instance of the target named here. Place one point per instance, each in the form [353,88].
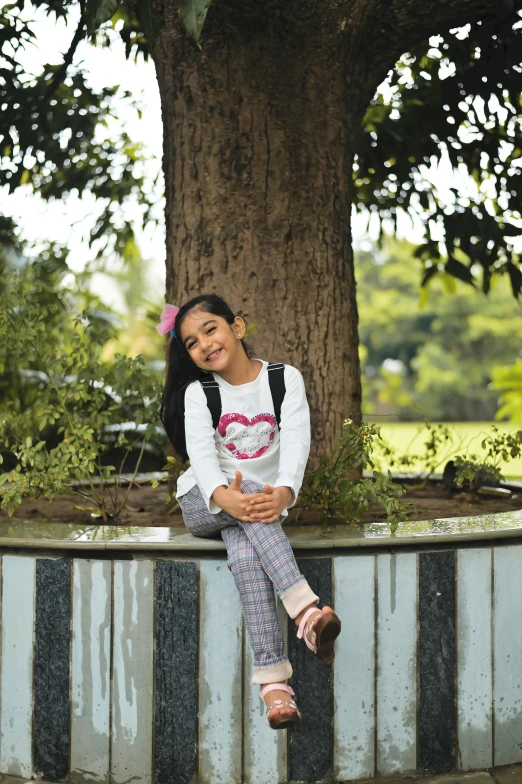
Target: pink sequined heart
[246,438]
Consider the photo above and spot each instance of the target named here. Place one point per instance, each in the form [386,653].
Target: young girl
[245,472]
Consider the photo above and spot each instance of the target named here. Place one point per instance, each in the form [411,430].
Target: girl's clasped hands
[265,507]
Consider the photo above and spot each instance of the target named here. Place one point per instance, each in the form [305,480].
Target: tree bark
[260,132]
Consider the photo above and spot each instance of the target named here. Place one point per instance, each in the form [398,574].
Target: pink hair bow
[167,320]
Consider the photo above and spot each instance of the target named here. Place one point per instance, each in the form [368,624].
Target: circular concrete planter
[124,656]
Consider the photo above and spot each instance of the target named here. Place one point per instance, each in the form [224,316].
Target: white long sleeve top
[247,438]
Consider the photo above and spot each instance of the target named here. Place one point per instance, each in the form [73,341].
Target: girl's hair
[182,371]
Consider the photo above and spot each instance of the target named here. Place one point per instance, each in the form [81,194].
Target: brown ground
[147,507]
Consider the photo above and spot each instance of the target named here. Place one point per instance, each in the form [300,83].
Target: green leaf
[459,270]
[515,277]
[150,21]
[193,14]
[99,11]
[428,274]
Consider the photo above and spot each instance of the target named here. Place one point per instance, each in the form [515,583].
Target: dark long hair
[182,371]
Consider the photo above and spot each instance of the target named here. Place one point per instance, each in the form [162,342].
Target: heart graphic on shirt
[246,438]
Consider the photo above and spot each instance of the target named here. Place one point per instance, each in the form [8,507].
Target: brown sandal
[321,633]
[279,722]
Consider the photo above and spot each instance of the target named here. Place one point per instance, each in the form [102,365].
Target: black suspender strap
[211,390]
[276,379]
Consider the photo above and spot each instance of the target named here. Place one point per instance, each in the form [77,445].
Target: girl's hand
[266,507]
[232,500]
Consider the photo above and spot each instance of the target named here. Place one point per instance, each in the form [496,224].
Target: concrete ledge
[35,535]
[511,774]
[137,663]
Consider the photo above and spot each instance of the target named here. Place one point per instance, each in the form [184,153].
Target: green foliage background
[434,353]
[65,411]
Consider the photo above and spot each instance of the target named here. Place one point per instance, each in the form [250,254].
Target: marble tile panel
[396,663]
[176,673]
[354,667]
[507,655]
[265,751]
[16,682]
[132,696]
[437,662]
[310,748]
[51,716]
[474,660]
[91,671]
[220,671]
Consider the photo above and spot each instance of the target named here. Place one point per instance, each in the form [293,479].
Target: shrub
[441,442]
[337,488]
[498,448]
[58,399]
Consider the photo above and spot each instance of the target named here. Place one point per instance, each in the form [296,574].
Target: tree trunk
[260,131]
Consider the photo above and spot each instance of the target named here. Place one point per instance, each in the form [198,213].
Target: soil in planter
[147,507]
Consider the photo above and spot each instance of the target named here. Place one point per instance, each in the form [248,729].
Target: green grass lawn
[409,438]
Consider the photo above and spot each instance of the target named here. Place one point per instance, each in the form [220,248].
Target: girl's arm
[294,445]
[294,448]
[201,447]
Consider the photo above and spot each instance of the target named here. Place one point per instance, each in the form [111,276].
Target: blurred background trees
[440,353]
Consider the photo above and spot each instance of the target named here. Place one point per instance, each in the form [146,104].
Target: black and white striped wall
[137,670]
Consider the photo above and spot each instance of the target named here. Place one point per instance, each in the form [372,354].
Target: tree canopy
[54,133]
[458,98]
[453,98]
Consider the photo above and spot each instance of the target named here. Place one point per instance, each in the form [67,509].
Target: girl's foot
[281,711]
[320,629]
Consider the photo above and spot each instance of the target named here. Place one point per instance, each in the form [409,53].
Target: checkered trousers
[260,558]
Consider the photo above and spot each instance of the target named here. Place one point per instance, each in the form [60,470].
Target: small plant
[443,443]
[337,489]
[440,444]
[59,402]
[497,448]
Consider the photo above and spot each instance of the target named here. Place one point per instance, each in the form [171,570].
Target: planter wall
[127,660]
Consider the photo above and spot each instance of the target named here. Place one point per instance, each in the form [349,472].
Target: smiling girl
[245,426]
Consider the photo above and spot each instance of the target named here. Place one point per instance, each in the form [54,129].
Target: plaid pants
[260,558]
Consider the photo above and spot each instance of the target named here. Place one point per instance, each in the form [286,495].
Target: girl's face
[211,342]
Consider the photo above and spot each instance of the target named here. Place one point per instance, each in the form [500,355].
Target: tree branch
[417,21]
[61,73]
[378,32]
